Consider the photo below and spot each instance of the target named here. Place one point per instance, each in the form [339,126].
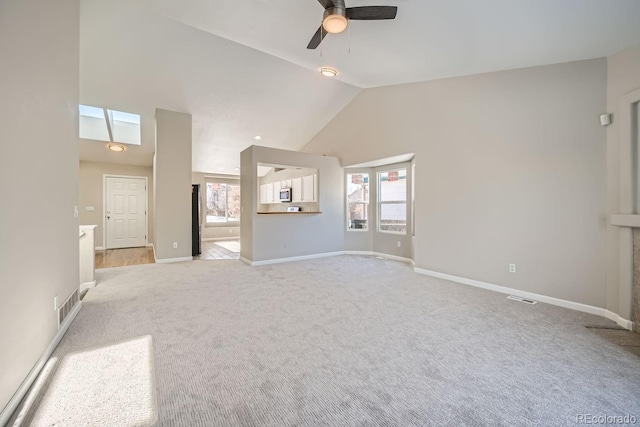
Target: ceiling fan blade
[317,38]
[372,13]
[326,3]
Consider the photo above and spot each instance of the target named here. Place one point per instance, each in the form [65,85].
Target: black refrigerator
[195,220]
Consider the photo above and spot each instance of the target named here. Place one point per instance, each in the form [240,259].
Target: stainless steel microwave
[285,195]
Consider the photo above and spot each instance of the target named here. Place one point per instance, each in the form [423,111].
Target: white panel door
[125,212]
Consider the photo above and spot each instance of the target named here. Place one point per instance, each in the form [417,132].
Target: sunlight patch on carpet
[111,385]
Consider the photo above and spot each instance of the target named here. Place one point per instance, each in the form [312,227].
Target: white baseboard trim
[219,239]
[87,285]
[99,248]
[13,404]
[149,245]
[529,295]
[170,260]
[627,324]
[362,253]
[393,257]
[324,255]
[292,259]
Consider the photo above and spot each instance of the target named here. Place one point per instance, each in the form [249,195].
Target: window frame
[379,201]
[366,204]
[227,222]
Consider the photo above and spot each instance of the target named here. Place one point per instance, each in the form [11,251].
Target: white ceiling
[241,68]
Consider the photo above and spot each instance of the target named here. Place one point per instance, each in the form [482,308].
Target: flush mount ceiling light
[328,72]
[118,148]
[257,137]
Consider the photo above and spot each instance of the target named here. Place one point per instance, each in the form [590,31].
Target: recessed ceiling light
[118,148]
[257,137]
[328,72]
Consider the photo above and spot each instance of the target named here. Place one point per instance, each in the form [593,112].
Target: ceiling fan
[336,16]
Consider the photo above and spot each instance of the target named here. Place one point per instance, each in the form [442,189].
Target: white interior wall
[39,174]
[623,76]
[267,237]
[172,184]
[511,169]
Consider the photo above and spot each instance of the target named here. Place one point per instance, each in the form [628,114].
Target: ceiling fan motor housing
[338,9]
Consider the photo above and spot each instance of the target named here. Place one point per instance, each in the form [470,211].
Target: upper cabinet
[296,190]
[303,183]
[309,188]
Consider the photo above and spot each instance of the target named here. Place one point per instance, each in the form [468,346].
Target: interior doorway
[125,211]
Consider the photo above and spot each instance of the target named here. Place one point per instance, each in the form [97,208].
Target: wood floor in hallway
[123,257]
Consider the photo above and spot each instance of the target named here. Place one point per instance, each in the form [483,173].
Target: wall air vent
[520,299]
[65,309]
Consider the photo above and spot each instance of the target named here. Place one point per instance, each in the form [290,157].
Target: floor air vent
[524,300]
[65,309]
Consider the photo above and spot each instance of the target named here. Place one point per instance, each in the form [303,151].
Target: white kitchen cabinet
[276,191]
[263,193]
[309,188]
[269,193]
[296,190]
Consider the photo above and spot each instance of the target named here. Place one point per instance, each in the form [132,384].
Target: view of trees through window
[357,200]
[392,194]
[223,203]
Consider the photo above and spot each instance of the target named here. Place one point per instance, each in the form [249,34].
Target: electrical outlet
[512,268]
[399,244]
[75,211]
[175,245]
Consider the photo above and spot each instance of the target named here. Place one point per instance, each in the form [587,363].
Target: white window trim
[346,186]
[227,223]
[379,201]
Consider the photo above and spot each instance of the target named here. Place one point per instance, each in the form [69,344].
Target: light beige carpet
[353,341]
[111,385]
[231,246]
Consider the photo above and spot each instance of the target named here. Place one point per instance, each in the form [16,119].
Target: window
[223,203]
[109,125]
[392,201]
[357,201]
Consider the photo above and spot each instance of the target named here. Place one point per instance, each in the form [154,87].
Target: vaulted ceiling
[241,68]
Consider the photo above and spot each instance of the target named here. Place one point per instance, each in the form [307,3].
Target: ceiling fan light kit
[336,18]
[334,21]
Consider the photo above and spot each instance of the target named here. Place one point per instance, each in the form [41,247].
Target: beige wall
[510,168]
[92,193]
[38,176]
[623,76]
[215,232]
[275,236]
[172,185]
